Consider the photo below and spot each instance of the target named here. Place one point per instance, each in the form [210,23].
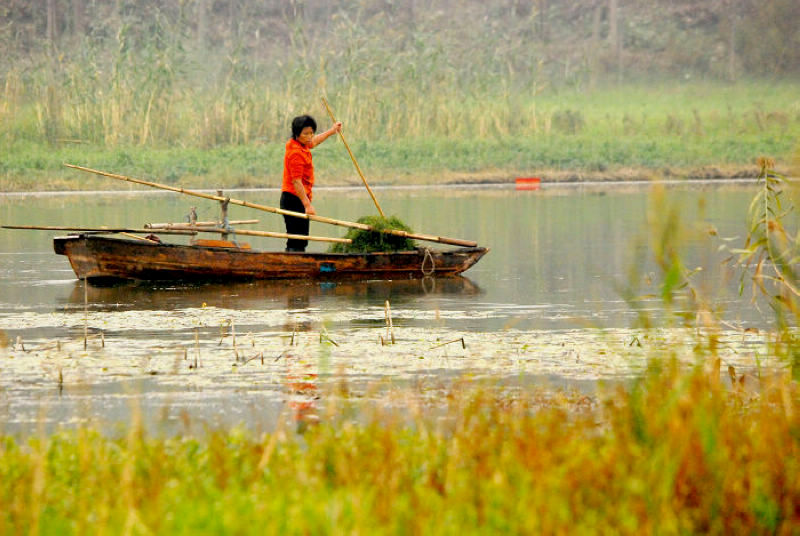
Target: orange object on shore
[528,183]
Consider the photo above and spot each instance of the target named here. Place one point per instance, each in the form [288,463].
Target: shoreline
[386,181]
[545,185]
[40,181]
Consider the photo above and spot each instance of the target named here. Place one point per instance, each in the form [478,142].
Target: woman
[298,176]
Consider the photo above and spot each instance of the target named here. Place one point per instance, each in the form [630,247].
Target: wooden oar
[101,229]
[321,219]
[353,158]
[222,230]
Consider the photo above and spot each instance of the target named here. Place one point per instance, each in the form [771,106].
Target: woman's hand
[319,138]
[310,210]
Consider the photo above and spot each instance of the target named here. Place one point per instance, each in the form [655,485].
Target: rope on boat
[428,256]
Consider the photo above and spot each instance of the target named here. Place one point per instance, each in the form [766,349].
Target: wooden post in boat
[265,208]
[353,158]
[223,215]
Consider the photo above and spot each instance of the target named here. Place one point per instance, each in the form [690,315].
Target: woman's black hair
[301,122]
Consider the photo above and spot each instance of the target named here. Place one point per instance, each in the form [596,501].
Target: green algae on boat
[374,241]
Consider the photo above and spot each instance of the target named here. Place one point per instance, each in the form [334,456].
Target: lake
[543,307]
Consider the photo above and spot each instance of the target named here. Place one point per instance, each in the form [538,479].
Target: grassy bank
[693,129]
[677,452]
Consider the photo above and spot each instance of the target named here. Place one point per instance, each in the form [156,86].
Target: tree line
[522,41]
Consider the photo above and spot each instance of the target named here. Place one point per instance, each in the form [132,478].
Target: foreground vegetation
[678,452]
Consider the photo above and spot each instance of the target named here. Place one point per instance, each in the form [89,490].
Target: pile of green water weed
[375,241]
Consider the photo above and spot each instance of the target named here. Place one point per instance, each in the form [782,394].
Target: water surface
[558,256]
[543,305]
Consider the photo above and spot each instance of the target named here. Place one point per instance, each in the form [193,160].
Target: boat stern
[74,248]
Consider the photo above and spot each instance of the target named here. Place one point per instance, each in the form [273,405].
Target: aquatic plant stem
[460,339]
[85,314]
[389,327]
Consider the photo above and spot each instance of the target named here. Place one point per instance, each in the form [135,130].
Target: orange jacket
[297,165]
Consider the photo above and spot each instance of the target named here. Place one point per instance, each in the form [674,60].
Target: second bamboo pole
[353,158]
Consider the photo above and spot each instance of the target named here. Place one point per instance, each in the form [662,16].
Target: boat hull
[98,258]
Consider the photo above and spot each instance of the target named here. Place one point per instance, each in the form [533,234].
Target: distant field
[691,129]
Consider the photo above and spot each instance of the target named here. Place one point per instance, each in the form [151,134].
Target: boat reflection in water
[269,294]
[299,375]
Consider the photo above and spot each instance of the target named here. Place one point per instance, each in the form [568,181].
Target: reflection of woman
[298,176]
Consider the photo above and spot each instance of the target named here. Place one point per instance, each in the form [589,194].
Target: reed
[674,452]
[768,259]
[772,245]
[150,114]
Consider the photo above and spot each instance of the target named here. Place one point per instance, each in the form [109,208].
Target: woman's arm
[319,138]
[301,193]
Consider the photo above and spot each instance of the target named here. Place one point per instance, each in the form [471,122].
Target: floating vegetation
[372,241]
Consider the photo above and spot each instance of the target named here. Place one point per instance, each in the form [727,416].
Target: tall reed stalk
[144,83]
[770,258]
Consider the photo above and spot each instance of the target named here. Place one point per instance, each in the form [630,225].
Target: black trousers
[294,225]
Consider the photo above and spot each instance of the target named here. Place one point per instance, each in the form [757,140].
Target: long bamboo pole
[197,224]
[269,234]
[321,219]
[353,158]
[101,229]
[176,229]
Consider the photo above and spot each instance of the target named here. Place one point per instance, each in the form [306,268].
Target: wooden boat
[99,258]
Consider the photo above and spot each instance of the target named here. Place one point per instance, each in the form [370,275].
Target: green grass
[633,131]
[676,452]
